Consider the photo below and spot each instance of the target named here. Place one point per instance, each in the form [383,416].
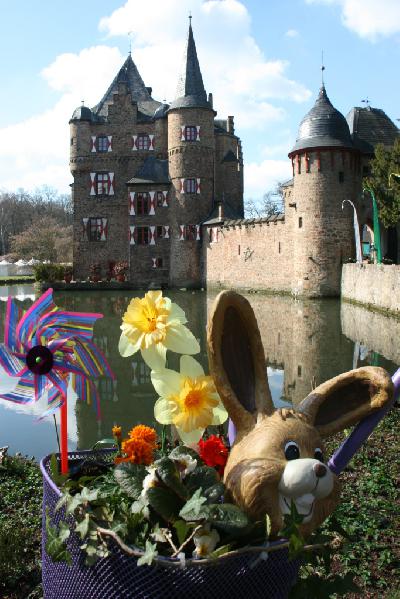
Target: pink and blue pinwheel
[43,346]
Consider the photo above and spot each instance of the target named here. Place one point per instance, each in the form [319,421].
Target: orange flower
[120,460]
[117,431]
[145,433]
[138,451]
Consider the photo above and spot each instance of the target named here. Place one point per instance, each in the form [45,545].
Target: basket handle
[361,432]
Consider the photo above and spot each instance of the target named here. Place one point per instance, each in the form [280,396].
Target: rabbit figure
[278,454]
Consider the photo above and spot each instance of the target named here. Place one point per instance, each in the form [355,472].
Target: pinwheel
[42,347]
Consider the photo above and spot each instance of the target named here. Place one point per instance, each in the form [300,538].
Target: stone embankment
[376,286]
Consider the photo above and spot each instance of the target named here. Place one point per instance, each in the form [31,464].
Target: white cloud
[262,177]
[370,19]
[292,33]
[244,82]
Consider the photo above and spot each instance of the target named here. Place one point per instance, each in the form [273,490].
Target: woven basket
[119,577]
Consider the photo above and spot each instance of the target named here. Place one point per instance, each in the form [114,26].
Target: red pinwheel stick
[64,437]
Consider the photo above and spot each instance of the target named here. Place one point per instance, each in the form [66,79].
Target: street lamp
[377,231]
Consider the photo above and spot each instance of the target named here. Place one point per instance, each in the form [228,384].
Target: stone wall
[377,285]
[248,255]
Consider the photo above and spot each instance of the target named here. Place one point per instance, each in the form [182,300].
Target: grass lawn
[17,279]
[369,512]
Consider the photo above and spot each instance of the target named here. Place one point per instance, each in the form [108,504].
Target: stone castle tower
[148,174]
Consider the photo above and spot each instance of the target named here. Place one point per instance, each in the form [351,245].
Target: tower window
[142,235]
[143,142]
[142,203]
[300,222]
[190,232]
[102,180]
[190,185]
[102,143]
[190,133]
[160,199]
[97,229]
[341,177]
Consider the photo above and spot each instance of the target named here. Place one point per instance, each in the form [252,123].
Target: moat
[305,342]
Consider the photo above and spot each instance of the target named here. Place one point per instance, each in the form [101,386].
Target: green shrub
[49,272]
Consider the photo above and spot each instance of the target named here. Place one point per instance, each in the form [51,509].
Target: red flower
[214,453]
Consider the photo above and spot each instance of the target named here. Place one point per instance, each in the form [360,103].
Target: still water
[305,342]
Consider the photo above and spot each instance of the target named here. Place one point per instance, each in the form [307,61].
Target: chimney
[210,100]
[220,210]
[231,126]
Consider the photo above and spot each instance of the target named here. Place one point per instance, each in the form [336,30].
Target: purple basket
[119,577]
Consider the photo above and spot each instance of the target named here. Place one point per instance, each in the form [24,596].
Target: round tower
[326,171]
[191,152]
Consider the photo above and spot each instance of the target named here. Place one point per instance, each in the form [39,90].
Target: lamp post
[377,232]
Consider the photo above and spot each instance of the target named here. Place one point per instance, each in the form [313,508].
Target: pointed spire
[190,92]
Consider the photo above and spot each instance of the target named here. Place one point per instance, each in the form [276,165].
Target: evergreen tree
[384,180]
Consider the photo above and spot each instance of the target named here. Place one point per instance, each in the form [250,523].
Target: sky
[261,59]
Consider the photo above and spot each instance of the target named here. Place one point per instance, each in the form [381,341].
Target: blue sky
[260,59]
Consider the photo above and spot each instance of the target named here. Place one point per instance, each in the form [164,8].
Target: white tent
[21,263]
[5,263]
[32,262]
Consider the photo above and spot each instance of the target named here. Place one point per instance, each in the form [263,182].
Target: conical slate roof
[190,92]
[129,75]
[323,126]
[371,126]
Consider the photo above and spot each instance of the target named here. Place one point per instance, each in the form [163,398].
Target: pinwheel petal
[91,359]
[26,327]
[79,324]
[11,364]
[24,392]
[42,384]
[59,380]
[13,315]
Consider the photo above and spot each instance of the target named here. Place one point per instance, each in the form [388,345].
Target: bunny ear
[237,361]
[347,399]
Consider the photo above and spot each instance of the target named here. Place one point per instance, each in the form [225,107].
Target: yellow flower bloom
[188,400]
[153,324]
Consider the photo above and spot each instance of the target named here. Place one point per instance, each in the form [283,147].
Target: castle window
[160,232]
[157,262]
[142,235]
[190,185]
[300,222]
[190,232]
[160,199]
[341,177]
[143,142]
[102,143]
[102,183]
[142,203]
[190,133]
[106,388]
[96,229]
[279,247]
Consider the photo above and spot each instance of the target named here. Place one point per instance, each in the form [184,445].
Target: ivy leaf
[228,518]
[150,553]
[58,479]
[169,474]
[82,527]
[74,501]
[220,551]
[182,530]
[194,509]
[181,450]
[130,478]
[202,477]
[164,502]
[89,494]
[56,547]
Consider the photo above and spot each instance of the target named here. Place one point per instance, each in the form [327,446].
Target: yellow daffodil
[187,399]
[153,324]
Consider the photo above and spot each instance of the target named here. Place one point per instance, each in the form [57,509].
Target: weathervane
[366,101]
[130,42]
[190,18]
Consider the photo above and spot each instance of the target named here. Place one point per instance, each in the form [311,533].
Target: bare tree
[270,204]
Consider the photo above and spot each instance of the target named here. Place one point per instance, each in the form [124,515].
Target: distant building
[148,174]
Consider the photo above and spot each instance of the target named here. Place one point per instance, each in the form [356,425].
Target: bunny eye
[292,451]
[318,455]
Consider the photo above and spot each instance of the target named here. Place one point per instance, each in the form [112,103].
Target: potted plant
[120,270]
[95,272]
[68,273]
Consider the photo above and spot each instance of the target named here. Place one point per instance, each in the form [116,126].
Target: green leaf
[82,527]
[149,554]
[194,509]
[215,492]
[56,547]
[58,479]
[182,530]
[202,477]
[169,474]
[130,478]
[220,551]
[267,526]
[183,450]
[89,494]
[165,502]
[228,518]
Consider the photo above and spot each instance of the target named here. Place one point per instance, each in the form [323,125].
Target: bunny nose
[320,470]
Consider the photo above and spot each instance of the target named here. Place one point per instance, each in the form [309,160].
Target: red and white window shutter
[94,149]
[198,188]
[197,232]
[152,235]
[111,184]
[166,231]
[181,232]
[183,130]
[92,184]
[165,198]
[151,145]
[182,189]
[132,235]
[104,229]
[85,227]
[134,142]
[152,202]
[132,203]
[197,132]
[109,137]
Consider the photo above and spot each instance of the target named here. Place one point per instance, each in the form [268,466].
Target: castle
[160,187]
